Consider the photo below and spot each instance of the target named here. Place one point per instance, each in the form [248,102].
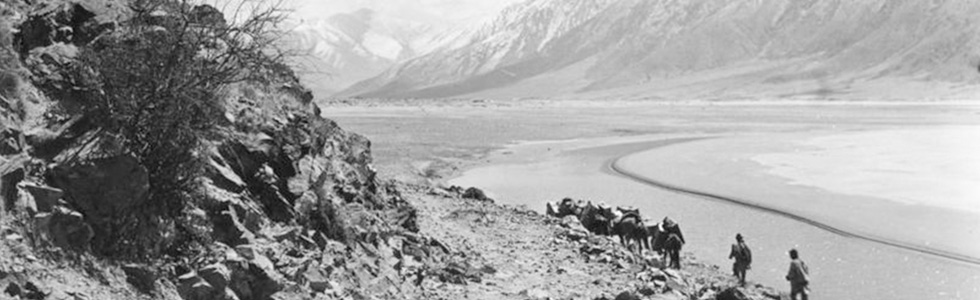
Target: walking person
[674,242]
[743,258]
[799,276]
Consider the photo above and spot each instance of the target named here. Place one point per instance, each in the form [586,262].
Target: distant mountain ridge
[697,48]
[342,49]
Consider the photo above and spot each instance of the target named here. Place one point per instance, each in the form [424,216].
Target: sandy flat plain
[937,166]
[910,187]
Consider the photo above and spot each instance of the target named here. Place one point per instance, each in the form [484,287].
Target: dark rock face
[11,173]
[193,287]
[44,198]
[11,141]
[65,228]
[229,229]
[141,277]
[476,194]
[288,205]
[217,275]
[103,188]
[73,23]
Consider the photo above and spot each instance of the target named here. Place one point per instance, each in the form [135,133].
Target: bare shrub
[153,82]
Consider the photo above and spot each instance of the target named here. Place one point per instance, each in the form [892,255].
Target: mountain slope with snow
[342,49]
[701,49]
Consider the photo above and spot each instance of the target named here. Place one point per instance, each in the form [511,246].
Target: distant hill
[705,49]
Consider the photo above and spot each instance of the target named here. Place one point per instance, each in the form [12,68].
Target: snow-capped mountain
[696,48]
[345,48]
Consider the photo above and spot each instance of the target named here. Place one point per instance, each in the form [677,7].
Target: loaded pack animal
[628,226]
[666,238]
[594,220]
[565,207]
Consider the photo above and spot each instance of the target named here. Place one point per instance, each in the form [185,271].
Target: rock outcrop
[288,205]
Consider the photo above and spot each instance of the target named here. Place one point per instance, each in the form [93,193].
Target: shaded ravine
[613,166]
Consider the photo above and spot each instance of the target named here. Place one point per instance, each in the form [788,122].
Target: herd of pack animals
[663,237]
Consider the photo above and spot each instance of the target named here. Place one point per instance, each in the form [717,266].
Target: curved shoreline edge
[614,166]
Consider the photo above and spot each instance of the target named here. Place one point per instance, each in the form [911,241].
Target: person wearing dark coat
[743,258]
[798,277]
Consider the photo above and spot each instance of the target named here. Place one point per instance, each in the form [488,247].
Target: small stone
[13,237]
[647,290]
[732,294]
[536,293]
[627,296]
[316,278]
[248,251]
[60,295]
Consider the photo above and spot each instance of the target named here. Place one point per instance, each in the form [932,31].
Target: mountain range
[345,48]
[691,49]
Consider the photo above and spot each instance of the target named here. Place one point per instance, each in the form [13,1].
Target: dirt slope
[523,254]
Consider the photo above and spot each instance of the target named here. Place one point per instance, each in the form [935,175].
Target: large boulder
[190,286]
[103,188]
[64,228]
[217,275]
[476,194]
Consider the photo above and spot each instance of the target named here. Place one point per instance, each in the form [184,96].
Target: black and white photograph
[489,149]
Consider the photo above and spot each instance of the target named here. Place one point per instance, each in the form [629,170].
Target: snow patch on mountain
[650,49]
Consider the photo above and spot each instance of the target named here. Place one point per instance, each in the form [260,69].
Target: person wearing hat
[798,276]
[743,258]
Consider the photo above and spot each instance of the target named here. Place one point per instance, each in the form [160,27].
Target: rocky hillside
[253,195]
[703,48]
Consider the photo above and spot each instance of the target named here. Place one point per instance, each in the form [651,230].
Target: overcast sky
[420,10]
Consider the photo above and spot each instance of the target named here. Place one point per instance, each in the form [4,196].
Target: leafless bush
[153,82]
